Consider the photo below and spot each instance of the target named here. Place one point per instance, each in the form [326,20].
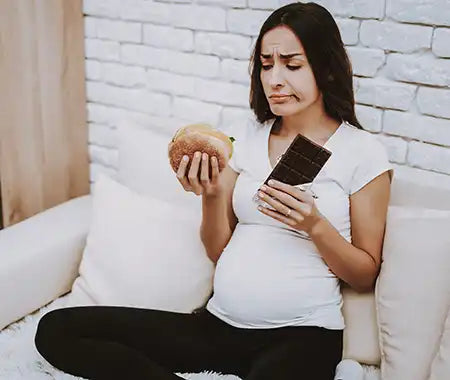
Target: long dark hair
[325,51]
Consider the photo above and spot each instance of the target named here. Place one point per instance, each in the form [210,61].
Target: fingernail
[263,188]
[204,156]
[271,182]
[185,158]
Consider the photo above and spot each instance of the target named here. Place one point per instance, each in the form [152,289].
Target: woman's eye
[267,67]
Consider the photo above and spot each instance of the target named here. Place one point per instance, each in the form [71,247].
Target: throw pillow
[412,290]
[142,252]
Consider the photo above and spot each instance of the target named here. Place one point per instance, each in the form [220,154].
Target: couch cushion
[142,252]
[412,290]
[361,330]
[144,165]
[413,194]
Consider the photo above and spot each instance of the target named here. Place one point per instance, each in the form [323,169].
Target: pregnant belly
[272,278]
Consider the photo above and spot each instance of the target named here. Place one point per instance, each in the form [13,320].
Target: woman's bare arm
[219,220]
[357,263]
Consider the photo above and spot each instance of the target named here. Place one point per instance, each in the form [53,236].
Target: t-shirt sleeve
[374,160]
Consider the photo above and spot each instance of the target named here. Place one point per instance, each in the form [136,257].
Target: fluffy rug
[19,358]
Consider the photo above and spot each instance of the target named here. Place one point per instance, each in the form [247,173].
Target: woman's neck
[315,127]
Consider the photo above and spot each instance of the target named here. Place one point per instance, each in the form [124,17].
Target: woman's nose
[276,76]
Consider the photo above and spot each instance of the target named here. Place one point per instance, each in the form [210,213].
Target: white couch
[40,256]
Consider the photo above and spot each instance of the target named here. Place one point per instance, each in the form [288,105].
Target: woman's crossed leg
[113,342]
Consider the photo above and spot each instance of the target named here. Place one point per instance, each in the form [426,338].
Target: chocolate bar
[301,162]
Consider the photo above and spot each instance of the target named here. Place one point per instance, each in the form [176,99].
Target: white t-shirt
[269,275]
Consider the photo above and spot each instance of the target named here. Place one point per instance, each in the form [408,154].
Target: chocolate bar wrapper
[260,202]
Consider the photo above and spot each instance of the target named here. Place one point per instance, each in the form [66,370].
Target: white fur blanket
[20,360]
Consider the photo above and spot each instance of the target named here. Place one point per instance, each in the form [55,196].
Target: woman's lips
[280,99]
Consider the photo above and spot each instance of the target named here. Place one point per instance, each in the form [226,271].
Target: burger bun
[201,138]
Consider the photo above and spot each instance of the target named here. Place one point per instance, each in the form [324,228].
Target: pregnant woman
[275,312]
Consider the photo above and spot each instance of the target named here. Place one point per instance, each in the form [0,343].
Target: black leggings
[114,342]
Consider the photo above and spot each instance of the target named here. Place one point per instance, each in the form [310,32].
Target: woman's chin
[280,110]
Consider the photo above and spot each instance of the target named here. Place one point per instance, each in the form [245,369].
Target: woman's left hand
[283,197]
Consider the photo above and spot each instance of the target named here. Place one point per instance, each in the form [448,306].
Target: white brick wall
[170,62]
[389,35]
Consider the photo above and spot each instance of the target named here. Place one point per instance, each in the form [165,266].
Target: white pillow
[144,165]
[412,290]
[142,252]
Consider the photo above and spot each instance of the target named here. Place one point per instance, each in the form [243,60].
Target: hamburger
[200,137]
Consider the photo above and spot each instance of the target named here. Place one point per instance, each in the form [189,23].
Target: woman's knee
[290,360]
[49,330]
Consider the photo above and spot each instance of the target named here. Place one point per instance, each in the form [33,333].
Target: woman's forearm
[215,231]
[351,264]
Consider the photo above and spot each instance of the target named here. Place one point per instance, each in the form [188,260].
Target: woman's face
[292,76]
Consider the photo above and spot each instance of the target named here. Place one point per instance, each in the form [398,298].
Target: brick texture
[167,62]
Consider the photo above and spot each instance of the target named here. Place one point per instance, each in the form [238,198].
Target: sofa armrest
[40,256]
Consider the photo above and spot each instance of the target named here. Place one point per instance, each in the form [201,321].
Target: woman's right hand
[210,187]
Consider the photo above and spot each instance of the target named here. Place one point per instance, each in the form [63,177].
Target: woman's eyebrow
[283,56]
